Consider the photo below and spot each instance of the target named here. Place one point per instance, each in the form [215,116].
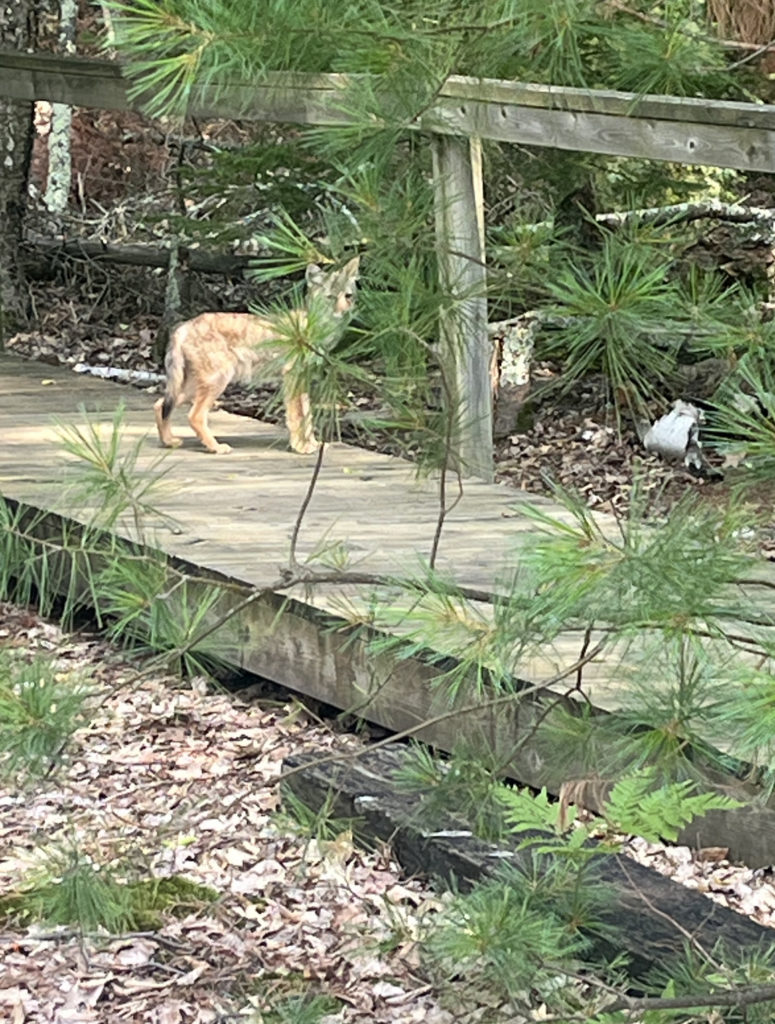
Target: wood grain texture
[466,349]
[236,515]
[684,130]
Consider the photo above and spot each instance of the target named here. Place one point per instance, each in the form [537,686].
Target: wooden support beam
[466,348]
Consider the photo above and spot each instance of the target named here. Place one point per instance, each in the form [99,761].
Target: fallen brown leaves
[178,780]
[175,780]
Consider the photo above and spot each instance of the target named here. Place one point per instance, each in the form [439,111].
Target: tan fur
[209,352]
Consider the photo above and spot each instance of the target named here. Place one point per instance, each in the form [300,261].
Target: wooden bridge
[236,515]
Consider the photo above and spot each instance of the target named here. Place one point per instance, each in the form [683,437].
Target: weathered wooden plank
[52,71]
[78,81]
[610,134]
[651,914]
[694,110]
[696,131]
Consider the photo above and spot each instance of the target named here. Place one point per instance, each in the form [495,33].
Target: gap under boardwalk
[236,514]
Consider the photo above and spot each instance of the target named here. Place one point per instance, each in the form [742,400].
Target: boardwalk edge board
[645,903]
[313,652]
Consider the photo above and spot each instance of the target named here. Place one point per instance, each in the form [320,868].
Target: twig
[729,997]
[632,1004]
[305,505]
[759,52]
[689,936]
[444,509]
[584,649]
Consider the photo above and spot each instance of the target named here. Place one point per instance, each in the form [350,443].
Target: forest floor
[175,779]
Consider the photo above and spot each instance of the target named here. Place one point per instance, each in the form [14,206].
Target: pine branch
[733,997]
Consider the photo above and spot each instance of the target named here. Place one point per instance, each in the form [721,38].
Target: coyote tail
[175,365]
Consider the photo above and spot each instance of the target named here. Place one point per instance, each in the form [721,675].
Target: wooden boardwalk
[236,515]
[236,512]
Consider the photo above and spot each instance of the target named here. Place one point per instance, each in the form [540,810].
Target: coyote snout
[209,352]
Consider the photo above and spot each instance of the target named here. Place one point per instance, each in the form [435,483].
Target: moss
[137,905]
[175,895]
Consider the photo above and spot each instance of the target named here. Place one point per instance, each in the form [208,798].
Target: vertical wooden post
[465,344]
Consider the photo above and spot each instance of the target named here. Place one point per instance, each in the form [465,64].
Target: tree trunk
[59,158]
[16,134]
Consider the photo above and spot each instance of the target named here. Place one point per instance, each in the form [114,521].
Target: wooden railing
[688,131]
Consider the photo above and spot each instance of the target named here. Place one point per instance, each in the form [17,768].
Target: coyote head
[335,289]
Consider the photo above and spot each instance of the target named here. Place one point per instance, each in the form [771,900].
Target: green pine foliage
[41,706]
[104,475]
[45,561]
[71,890]
[307,1007]
[673,578]
[178,44]
[145,604]
[616,307]
[467,784]
[321,823]
[700,972]
[503,937]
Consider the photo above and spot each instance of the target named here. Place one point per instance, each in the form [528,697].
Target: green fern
[636,806]
[525,811]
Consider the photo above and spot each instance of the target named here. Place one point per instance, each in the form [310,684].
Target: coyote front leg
[198,419]
[298,416]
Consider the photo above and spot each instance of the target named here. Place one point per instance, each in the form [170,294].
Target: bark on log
[652,914]
[141,255]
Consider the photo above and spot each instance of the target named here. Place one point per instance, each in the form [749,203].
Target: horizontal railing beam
[683,130]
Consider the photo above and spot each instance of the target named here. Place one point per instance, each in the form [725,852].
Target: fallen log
[140,255]
[652,915]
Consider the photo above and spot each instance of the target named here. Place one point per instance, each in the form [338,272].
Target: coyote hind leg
[203,403]
[162,411]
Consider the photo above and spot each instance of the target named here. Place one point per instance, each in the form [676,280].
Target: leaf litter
[176,780]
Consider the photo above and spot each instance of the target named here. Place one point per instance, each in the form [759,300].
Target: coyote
[212,350]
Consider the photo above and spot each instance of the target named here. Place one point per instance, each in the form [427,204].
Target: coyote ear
[314,276]
[350,269]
